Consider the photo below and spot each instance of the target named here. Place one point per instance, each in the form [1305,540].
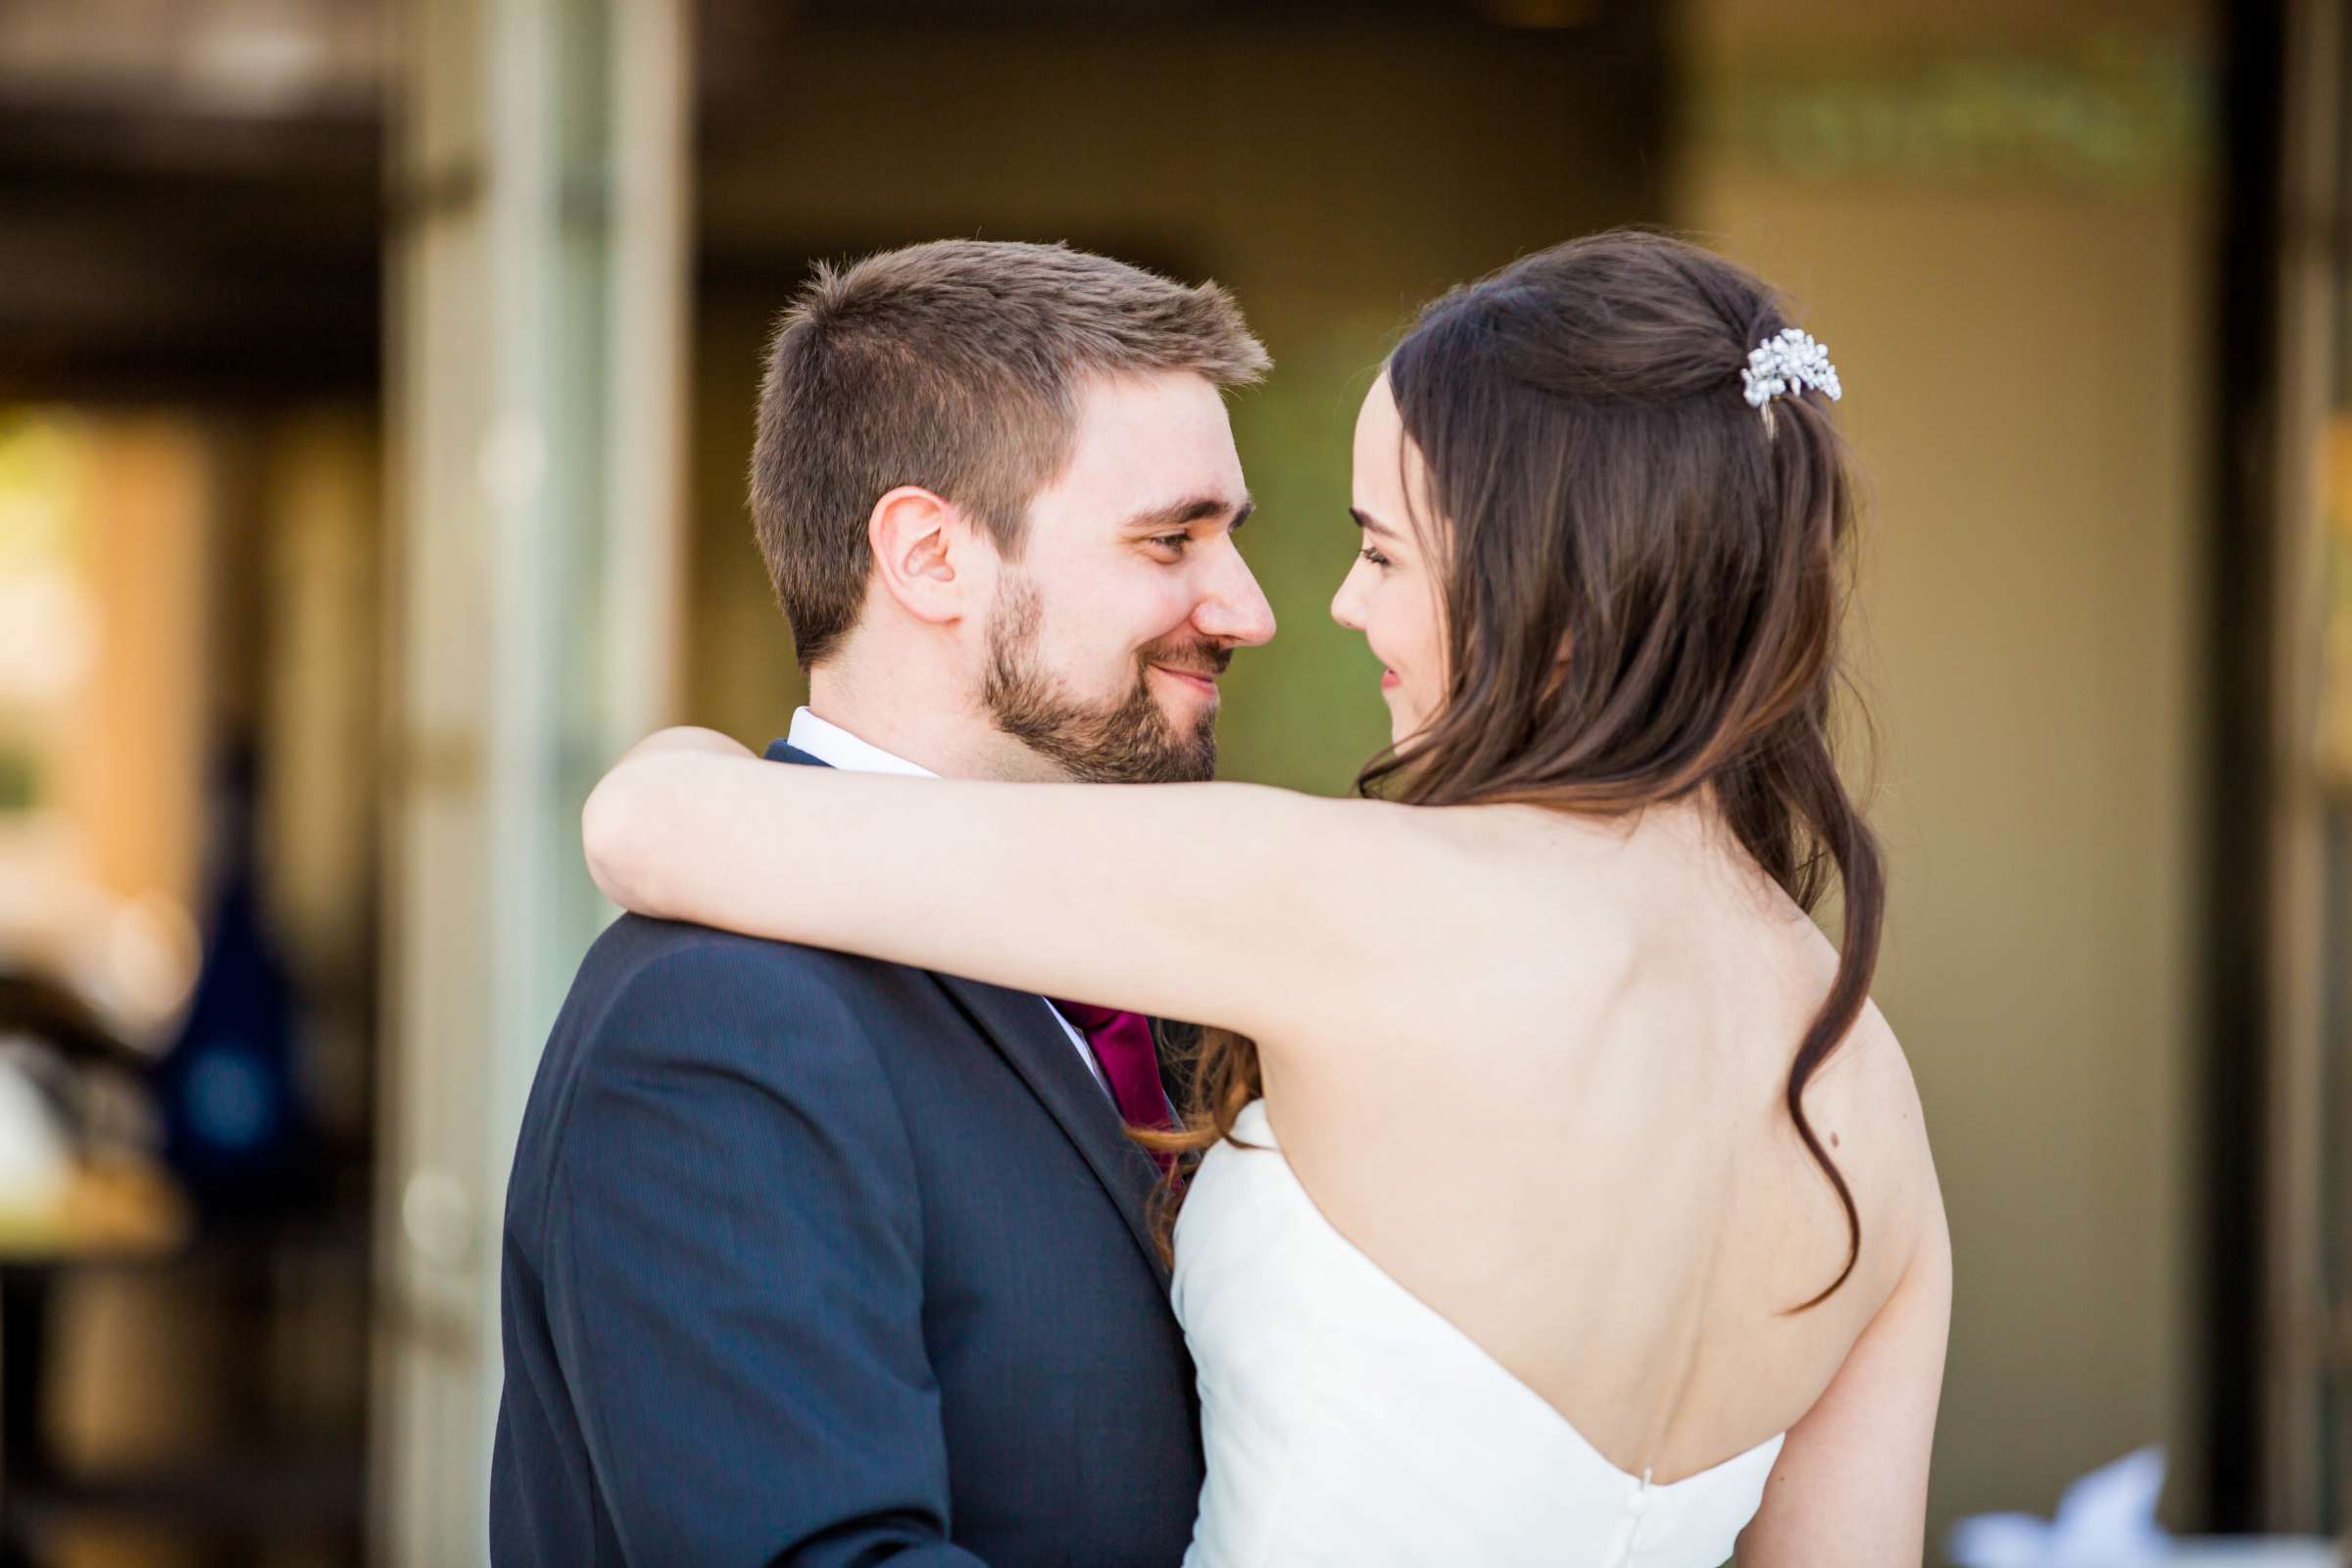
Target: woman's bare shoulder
[1871,1072]
[1865,1104]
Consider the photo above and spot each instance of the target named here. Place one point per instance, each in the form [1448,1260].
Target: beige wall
[2022,360]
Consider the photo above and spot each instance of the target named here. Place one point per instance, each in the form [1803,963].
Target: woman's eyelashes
[1373,555]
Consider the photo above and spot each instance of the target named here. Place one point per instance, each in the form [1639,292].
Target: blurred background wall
[1266,154]
[375,393]
[2026,309]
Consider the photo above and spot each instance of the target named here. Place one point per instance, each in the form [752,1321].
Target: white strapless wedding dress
[1344,1422]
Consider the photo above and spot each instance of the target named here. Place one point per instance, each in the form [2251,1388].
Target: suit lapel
[1022,1029]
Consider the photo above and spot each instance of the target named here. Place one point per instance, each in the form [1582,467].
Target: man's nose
[1233,609]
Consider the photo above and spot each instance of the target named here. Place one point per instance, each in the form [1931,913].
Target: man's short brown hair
[953,365]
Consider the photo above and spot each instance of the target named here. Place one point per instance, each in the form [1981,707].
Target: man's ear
[921,545]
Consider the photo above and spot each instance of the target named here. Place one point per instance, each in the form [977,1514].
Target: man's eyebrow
[1370,524]
[1184,514]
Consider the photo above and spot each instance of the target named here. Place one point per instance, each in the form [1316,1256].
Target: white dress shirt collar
[829,743]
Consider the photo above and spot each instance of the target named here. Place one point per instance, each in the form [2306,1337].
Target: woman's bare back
[1566,1132]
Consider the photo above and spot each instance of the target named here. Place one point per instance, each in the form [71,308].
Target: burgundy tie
[1122,1045]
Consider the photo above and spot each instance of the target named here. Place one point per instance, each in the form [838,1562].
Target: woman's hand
[617,824]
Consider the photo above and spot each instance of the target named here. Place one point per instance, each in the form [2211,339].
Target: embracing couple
[1540,1185]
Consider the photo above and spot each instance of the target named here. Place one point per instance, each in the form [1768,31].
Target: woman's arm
[1222,904]
[1850,1488]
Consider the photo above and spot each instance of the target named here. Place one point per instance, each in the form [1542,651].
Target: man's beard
[1129,740]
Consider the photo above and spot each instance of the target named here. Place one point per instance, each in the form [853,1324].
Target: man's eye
[1175,542]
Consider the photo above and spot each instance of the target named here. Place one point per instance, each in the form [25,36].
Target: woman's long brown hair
[1643,584]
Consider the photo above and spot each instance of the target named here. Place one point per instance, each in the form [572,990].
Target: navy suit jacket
[812,1259]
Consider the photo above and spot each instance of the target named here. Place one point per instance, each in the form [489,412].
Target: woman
[1566,1199]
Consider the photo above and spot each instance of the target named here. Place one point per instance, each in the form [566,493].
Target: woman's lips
[1389,680]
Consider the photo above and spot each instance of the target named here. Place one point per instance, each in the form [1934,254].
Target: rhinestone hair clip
[1788,363]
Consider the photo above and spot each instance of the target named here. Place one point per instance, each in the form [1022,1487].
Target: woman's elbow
[616,836]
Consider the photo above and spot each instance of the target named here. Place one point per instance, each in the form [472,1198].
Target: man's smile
[1198,680]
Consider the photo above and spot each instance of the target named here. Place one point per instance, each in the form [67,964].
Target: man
[811,1259]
